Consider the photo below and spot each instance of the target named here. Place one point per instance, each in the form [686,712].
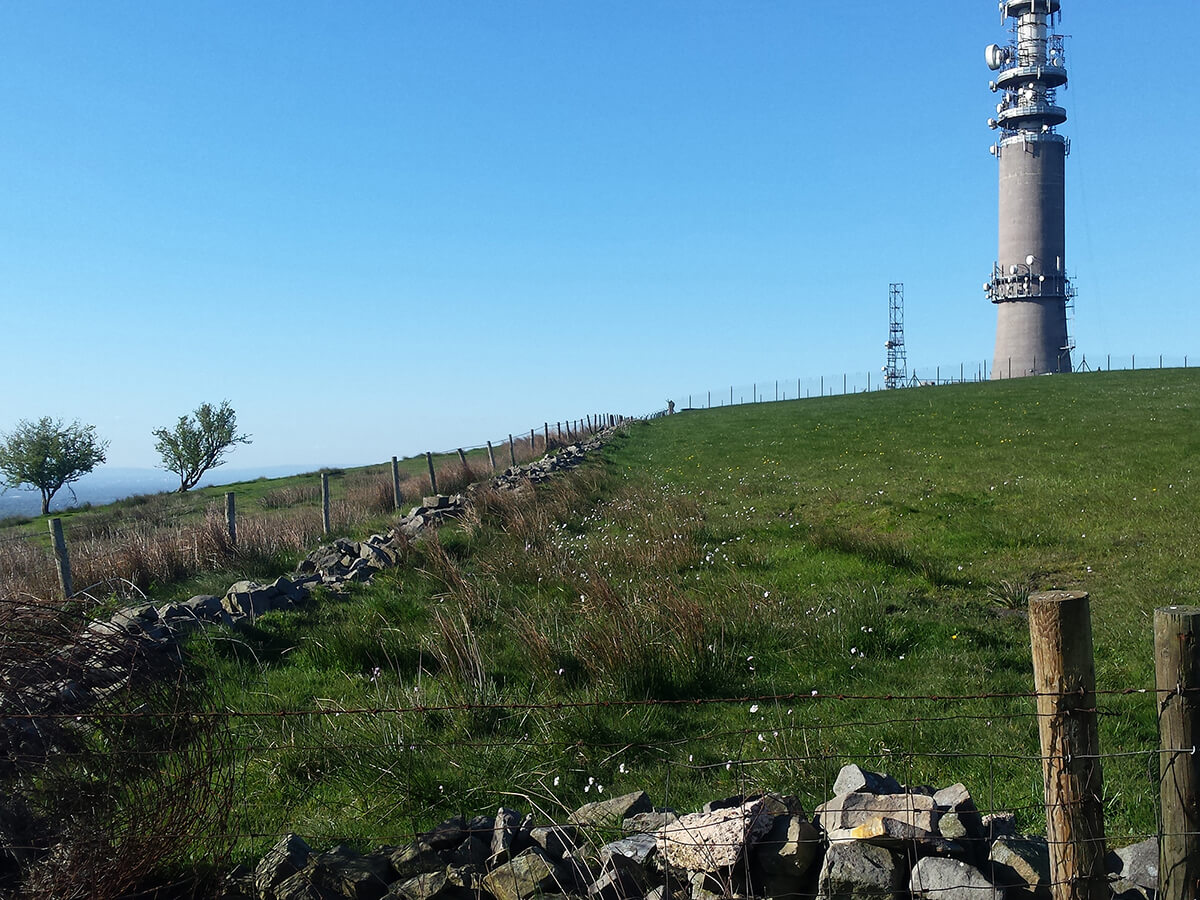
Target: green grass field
[732,599]
[830,549]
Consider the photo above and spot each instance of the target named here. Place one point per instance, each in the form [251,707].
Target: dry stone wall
[874,840]
[144,641]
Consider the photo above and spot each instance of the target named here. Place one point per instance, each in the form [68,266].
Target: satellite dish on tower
[994,56]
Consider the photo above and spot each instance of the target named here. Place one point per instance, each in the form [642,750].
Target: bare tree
[198,442]
[46,455]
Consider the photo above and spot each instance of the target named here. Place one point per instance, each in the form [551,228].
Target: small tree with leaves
[198,442]
[46,455]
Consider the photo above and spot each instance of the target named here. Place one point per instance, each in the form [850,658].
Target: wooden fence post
[532,444]
[462,458]
[1064,677]
[512,450]
[546,436]
[491,456]
[1177,679]
[325,502]
[231,518]
[396,481]
[64,561]
[432,474]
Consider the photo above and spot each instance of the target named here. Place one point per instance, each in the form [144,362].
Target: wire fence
[839,383]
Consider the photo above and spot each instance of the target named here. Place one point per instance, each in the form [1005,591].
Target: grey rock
[938,878]
[301,887]
[506,827]
[852,870]
[426,886]
[557,840]
[448,834]
[612,812]
[648,822]
[789,848]
[1022,863]
[853,779]
[287,589]
[960,819]
[636,848]
[415,858]
[620,879]
[531,874]
[846,812]
[709,842]
[344,872]
[474,851]
[1138,864]
[285,859]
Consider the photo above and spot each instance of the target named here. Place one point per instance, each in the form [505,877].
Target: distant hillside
[111,483]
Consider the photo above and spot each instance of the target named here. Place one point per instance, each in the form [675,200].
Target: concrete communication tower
[1029,284]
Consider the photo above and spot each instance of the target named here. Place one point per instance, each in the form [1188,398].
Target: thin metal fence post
[325,525]
[1064,676]
[1177,679]
[61,558]
[231,518]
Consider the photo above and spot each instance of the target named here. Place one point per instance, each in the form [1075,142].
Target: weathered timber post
[325,502]
[462,458]
[512,450]
[546,436]
[1064,678]
[231,518]
[396,481]
[491,456]
[60,556]
[432,474]
[1177,679]
[532,445]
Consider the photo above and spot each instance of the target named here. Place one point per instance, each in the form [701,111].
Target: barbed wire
[617,703]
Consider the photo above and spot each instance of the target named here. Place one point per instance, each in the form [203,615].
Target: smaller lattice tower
[895,373]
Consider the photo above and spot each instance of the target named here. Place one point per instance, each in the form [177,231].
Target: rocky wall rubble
[875,840]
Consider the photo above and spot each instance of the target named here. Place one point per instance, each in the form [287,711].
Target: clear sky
[377,227]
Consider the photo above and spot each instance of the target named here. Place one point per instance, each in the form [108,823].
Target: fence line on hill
[455,465]
[836,384]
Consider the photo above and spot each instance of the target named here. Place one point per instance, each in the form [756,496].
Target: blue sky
[381,227]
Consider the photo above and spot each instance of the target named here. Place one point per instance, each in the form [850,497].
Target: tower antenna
[895,373]
[1029,283]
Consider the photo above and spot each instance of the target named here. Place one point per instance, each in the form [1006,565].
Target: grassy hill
[735,598]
